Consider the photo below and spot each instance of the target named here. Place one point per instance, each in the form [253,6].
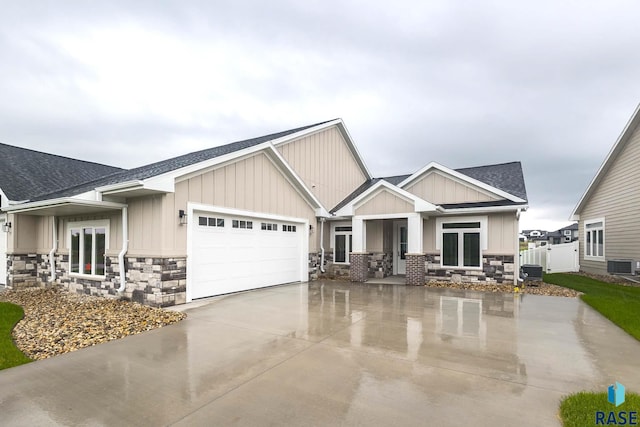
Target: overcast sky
[461,83]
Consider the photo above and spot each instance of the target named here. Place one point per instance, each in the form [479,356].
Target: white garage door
[3,252]
[235,253]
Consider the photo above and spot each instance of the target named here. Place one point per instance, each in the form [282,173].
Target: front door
[401,249]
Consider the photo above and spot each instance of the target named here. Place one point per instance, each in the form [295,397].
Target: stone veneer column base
[359,269]
[415,269]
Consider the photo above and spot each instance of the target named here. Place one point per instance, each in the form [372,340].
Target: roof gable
[489,178]
[376,189]
[608,162]
[176,165]
[26,174]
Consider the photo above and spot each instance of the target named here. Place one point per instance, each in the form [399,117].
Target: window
[206,221]
[289,228]
[87,247]
[236,223]
[461,244]
[594,238]
[342,245]
[269,226]
[567,232]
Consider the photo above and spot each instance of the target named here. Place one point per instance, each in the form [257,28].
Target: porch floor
[398,279]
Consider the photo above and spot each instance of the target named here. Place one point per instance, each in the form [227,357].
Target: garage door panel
[227,259]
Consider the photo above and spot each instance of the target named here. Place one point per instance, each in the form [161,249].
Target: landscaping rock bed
[532,288]
[56,321]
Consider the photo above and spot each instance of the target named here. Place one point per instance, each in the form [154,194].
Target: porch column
[415,255]
[358,258]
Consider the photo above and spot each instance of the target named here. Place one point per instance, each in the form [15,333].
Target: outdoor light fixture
[182,216]
[6,227]
[310,229]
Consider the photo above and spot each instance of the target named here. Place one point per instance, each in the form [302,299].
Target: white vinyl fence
[553,258]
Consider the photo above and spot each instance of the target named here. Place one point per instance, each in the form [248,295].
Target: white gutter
[125,248]
[54,248]
[487,209]
[30,206]
[322,220]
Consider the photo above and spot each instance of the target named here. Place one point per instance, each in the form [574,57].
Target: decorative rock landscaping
[58,322]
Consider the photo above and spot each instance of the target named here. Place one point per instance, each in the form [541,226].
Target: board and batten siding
[502,234]
[253,184]
[616,199]
[439,189]
[325,164]
[115,230]
[385,202]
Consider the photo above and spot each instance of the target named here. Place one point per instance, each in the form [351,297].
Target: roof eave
[486,209]
[623,138]
[65,205]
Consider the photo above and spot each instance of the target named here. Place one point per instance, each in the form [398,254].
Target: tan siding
[253,184]
[374,236]
[115,230]
[439,189]
[385,203]
[24,234]
[145,219]
[325,164]
[388,236]
[44,233]
[502,234]
[617,199]
[429,232]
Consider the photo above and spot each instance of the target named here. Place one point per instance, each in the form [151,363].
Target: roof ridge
[491,165]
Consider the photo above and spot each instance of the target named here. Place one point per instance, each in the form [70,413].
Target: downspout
[125,247]
[518,279]
[322,220]
[52,253]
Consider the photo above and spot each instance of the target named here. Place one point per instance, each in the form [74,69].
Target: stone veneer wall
[157,282]
[22,270]
[334,270]
[495,269]
[380,264]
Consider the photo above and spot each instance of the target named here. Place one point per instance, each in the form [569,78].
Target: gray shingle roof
[504,176]
[507,177]
[164,166]
[26,174]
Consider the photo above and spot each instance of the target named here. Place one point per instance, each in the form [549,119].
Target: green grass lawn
[10,314]
[581,409]
[620,304]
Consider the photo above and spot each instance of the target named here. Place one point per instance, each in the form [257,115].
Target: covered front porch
[386,246]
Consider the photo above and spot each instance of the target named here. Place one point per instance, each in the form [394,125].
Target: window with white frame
[594,238]
[342,244]
[461,244]
[88,243]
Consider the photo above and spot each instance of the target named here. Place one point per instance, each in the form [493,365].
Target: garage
[232,252]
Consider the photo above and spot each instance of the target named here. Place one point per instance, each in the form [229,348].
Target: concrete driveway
[332,353]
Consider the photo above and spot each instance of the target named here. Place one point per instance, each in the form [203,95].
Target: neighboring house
[266,211]
[26,174]
[566,234]
[608,213]
[535,238]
